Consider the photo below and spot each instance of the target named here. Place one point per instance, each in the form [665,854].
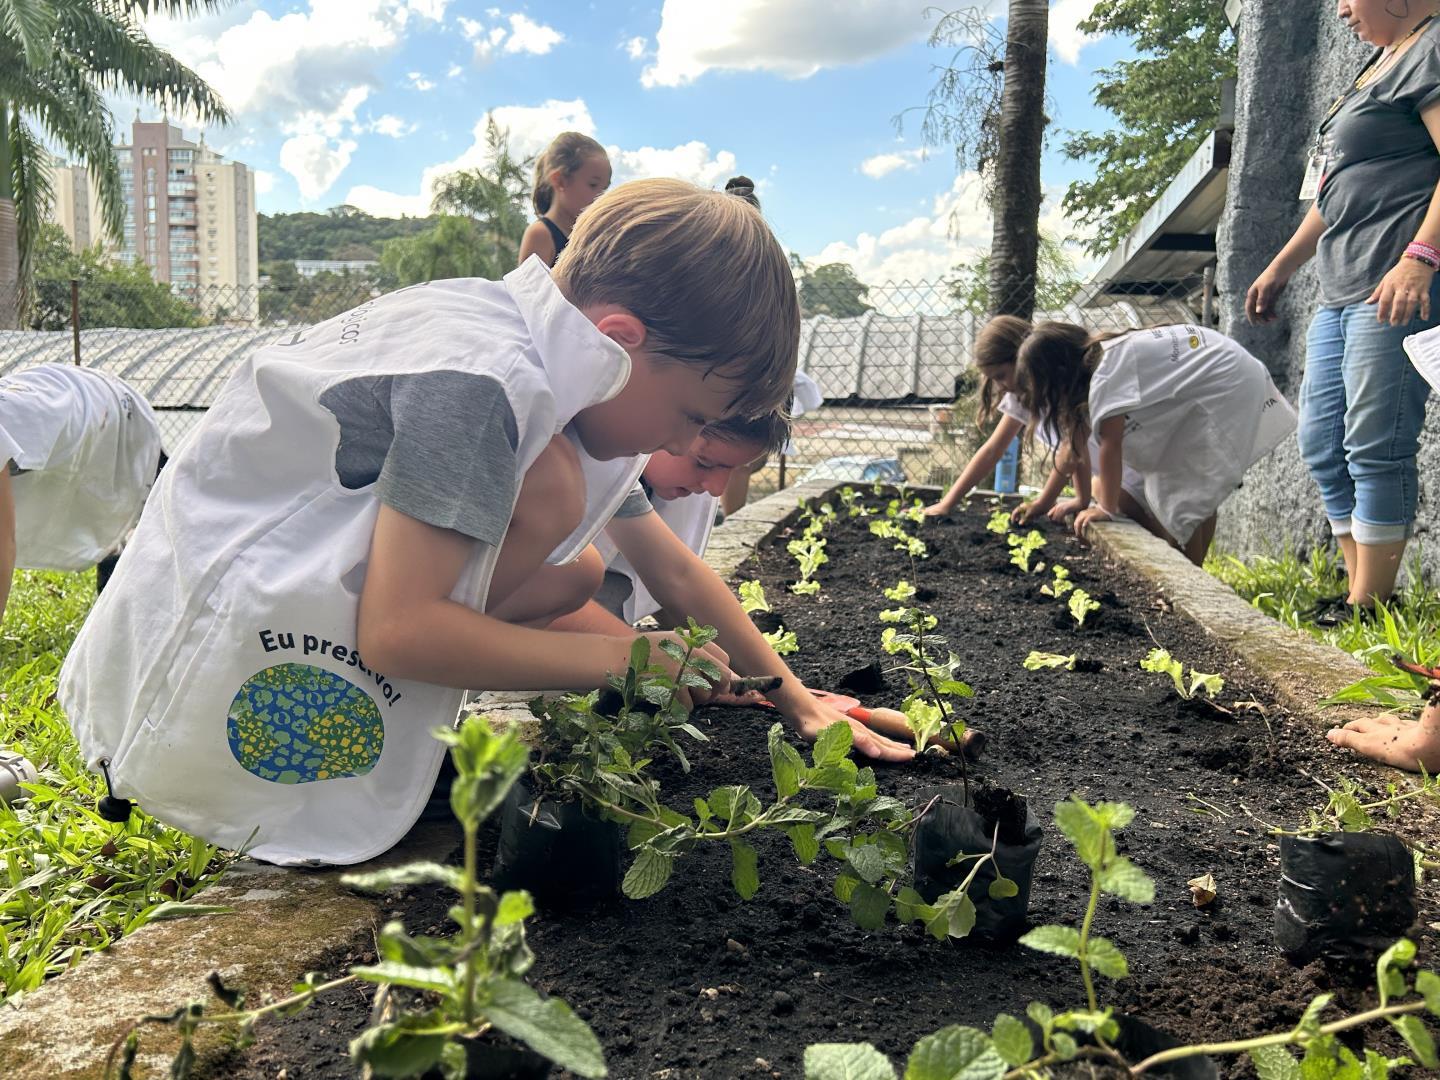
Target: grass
[70,882]
[1287,586]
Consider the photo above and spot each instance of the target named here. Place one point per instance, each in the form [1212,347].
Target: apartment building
[189,216]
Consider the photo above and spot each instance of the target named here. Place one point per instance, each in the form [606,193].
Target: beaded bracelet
[1425,253]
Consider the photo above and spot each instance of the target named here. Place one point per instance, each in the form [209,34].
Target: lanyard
[1372,70]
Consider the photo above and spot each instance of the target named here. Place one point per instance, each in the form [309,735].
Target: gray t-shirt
[438,445]
[1381,175]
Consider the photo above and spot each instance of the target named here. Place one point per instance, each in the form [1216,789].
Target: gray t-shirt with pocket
[1381,175]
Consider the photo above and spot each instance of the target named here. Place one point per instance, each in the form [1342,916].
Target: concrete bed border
[285,921]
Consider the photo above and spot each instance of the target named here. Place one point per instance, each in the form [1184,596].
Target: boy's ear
[623,328]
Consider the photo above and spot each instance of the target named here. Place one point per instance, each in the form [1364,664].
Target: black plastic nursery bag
[562,853]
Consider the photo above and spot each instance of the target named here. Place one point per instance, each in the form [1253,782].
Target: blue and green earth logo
[296,723]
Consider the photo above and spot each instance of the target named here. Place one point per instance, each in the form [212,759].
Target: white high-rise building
[189,216]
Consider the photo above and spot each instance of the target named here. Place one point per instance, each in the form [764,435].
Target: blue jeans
[1362,406]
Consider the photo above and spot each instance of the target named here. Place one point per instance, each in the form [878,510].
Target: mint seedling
[1161,662]
[1081,605]
[1022,550]
[1060,585]
[1038,661]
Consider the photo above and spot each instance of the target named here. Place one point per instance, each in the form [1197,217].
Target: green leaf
[838,776]
[846,1061]
[421,873]
[868,861]
[802,839]
[1002,888]
[1058,940]
[1417,1036]
[1427,985]
[1105,958]
[640,652]
[1310,1019]
[845,884]
[1275,1063]
[955,1053]
[440,980]
[391,1050]
[514,907]
[954,916]
[647,874]
[744,869]
[911,907]
[547,1026]
[786,764]
[1041,1013]
[1212,685]
[832,744]
[1081,825]
[868,906]
[1012,1040]
[1124,879]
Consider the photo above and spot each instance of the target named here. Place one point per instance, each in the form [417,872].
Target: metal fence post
[75,319]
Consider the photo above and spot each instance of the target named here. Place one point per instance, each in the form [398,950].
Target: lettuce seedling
[850,499]
[783,641]
[999,522]
[752,597]
[1161,662]
[1022,550]
[911,545]
[901,592]
[809,552]
[1038,661]
[1061,583]
[1081,605]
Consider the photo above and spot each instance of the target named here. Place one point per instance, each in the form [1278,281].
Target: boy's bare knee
[552,493]
[586,574]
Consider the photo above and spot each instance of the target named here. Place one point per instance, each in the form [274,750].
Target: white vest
[218,674]
[1424,352]
[1199,411]
[89,445]
[1130,480]
[691,518]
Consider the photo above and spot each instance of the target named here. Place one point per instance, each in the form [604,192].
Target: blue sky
[366,101]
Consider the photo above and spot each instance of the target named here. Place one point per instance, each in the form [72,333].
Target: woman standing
[1375,229]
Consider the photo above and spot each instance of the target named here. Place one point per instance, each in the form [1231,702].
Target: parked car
[886,470]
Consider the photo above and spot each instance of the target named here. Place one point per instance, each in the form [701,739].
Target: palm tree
[57,60]
[495,197]
[1015,242]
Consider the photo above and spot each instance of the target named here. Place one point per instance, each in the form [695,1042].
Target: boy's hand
[1086,516]
[812,718]
[939,509]
[1065,507]
[693,695]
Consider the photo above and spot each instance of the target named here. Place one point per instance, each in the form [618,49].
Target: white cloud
[328,123]
[389,125]
[635,47]
[882,165]
[794,39]
[691,161]
[523,36]
[264,181]
[531,128]
[453,70]
[956,228]
[315,162]
[433,10]
[419,82]
[1066,38]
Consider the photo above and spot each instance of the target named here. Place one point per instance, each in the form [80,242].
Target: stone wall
[1295,57]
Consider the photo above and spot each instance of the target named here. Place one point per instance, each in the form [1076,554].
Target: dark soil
[696,983]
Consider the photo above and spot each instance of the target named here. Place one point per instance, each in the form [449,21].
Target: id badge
[1315,168]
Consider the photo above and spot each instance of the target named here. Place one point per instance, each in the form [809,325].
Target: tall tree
[111,293]
[830,289]
[1015,239]
[1056,280]
[495,197]
[988,103]
[1167,102]
[455,247]
[58,58]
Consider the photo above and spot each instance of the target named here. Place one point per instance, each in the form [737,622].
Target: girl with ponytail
[573,172]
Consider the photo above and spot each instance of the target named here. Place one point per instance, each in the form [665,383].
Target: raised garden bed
[695,982]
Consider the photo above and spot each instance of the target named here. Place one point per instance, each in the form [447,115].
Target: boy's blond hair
[703,272]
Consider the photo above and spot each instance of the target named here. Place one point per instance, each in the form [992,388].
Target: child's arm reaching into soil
[1392,740]
[983,462]
[1111,436]
[682,582]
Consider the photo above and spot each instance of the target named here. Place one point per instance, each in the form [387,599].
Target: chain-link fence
[893,361]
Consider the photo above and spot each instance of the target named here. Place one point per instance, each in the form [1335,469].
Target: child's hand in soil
[1025,513]
[939,509]
[810,719]
[1065,507]
[693,696]
[1391,740]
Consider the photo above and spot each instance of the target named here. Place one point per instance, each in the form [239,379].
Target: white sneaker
[15,769]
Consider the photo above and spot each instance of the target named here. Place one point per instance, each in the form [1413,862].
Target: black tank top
[557,236]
